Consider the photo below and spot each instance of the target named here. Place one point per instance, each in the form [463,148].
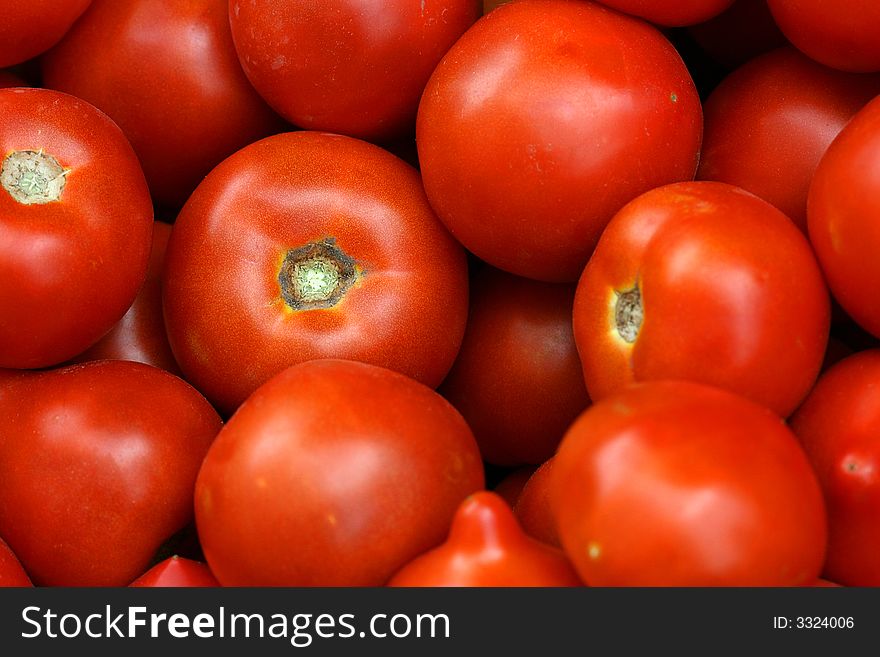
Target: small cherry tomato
[675,483]
[486,547]
[177,572]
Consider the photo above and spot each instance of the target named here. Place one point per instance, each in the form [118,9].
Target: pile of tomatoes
[431,293]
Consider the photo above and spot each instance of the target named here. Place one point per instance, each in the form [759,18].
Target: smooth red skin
[140,335]
[731,293]
[511,486]
[735,36]
[489,5]
[681,484]
[837,426]
[177,572]
[11,572]
[517,379]
[769,123]
[354,67]
[32,27]
[334,473]
[228,325]
[843,35]
[487,547]
[8,79]
[533,508]
[70,268]
[542,121]
[97,467]
[842,211]
[166,71]
[671,14]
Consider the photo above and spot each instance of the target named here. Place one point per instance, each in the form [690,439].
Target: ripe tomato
[542,121]
[97,467]
[75,225]
[356,67]
[705,282]
[32,27]
[140,334]
[334,473]
[486,547]
[844,34]
[533,508]
[837,425]
[671,14]
[744,31]
[338,255]
[166,71]
[517,379]
[178,572]
[769,123]
[679,484]
[511,486]
[842,211]
[11,572]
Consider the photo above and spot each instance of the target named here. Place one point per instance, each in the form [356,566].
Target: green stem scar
[316,275]
[628,313]
[33,177]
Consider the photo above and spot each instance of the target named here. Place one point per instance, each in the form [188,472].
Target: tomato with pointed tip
[705,282]
[31,28]
[487,547]
[177,572]
[11,572]
[837,425]
[675,483]
[97,467]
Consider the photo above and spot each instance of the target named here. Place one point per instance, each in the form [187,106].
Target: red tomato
[843,207]
[517,379]
[486,547]
[166,71]
[140,334]
[705,282]
[32,27]
[681,484]
[671,14]
[533,508]
[769,123]
[356,67]
[489,5]
[542,121]
[511,486]
[334,473]
[11,572]
[75,228]
[97,467]
[837,425]
[177,572]
[844,34]
[744,31]
[338,255]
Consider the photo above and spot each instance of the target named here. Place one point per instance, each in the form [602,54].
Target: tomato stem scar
[316,275]
[628,313]
[33,177]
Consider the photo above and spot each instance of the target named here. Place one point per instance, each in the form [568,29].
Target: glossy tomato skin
[229,322]
[671,14]
[486,547]
[11,572]
[542,121]
[334,473]
[705,282]
[533,507]
[166,71]
[30,28]
[842,34]
[177,572]
[517,379]
[140,334]
[842,207]
[70,267]
[675,483]
[837,425]
[769,123]
[354,67]
[97,467]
